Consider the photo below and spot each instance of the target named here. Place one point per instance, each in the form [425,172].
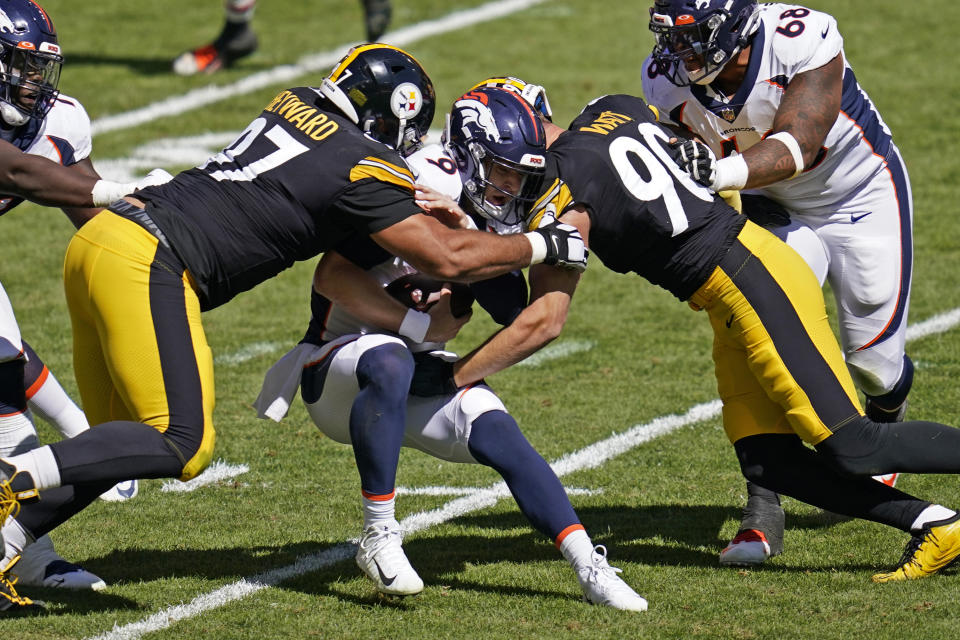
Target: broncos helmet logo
[475,112]
[6,24]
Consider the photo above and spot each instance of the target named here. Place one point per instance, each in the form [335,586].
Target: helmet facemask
[693,49]
[502,190]
[497,141]
[28,82]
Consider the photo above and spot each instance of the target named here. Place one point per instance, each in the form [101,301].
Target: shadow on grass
[683,536]
[152,66]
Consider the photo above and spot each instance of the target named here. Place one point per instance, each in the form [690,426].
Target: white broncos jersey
[790,40]
[63,136]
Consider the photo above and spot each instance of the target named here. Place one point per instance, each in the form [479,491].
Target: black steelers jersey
[646,214]
[298,180]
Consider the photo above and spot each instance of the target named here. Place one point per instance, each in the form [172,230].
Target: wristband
[106,191]
[730,173]
[538,247]
[793,147]
[415,325]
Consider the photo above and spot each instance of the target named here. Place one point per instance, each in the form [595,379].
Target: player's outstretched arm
[810,106]
[463,255]
[43,181]
[541,321]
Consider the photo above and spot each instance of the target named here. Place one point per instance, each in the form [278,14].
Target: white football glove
[564,245]
[106,191]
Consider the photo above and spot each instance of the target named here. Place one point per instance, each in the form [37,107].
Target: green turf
[664,509]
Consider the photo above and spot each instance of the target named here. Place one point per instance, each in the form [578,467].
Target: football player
[238,40]
[379,390]
[780,372]
[768,88]
[36,119]
[318,165]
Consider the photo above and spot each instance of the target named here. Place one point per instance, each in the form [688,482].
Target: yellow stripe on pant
[778,365]
[139,351]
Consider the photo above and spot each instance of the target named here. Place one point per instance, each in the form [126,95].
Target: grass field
[219,562]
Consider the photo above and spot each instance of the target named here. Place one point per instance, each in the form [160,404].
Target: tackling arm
[43,181]
[551,291]
[809,109]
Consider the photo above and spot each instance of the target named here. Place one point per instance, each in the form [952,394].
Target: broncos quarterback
[373,375]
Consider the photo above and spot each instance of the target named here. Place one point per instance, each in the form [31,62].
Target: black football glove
[697,159]
[565,246]
[432,376]
[763,211]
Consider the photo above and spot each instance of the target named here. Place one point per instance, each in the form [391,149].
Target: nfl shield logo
[727,114]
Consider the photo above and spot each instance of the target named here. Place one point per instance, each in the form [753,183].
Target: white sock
[378,511]
[41,465]
[933,513]
[52,403]
[17,434]
[577,548]
[15,540]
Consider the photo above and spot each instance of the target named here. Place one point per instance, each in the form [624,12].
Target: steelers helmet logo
[406,101]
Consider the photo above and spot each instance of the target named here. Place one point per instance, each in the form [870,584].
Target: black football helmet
[707,33]
[385,92]
[494,131]
[30,62]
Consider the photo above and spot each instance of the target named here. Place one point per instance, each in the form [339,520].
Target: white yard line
[217,472]
[313,63]
[587,458]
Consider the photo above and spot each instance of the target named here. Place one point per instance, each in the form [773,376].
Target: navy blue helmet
[30,62]
[498,143]
[386,92]
[696,38]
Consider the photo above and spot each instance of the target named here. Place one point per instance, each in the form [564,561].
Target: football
[420,292]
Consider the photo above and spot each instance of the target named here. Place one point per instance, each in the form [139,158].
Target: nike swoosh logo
[825,32]
[127,491]
[384,579]
[729,321]
[861,217]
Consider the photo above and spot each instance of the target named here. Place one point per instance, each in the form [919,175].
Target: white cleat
[120,492]
[41,566]
[61,574]
[601,584]
[749,548]
[380,556]
[65,575]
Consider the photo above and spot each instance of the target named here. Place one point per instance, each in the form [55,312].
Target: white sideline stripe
[216,472]
[557,350]
[282,74]
[248,352]
[589,457]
